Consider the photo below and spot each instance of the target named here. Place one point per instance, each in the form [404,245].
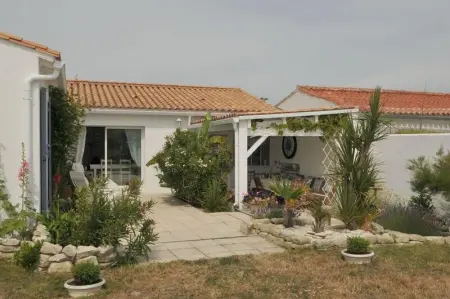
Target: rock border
[57,259]
[300,237]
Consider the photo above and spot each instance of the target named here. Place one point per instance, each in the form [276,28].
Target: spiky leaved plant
[355,168]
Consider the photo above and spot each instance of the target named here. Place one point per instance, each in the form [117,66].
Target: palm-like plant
[355,169]
[291,193]
[287,189]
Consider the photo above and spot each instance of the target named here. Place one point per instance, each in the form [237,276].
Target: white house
[127,123]
[27,69]
[405,109]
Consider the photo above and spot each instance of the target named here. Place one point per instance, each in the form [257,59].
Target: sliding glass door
[114,153]
[123,155]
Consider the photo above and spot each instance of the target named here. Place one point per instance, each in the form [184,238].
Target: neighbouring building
[405,109]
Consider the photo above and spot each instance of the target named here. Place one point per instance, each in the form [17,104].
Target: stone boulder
[377,228]
[59,258]
[9,249]
[50,249]
[385,239]
[44,261]
[245,228]
[300,240]
[435,240]
[63,267]
[70,251]
[90,259]
[417,238]
[277,220]
[85,251]
[10,242]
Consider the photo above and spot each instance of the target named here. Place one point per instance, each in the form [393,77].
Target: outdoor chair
[79,180]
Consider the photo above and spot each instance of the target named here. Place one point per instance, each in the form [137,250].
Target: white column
[236,163]
[242,159]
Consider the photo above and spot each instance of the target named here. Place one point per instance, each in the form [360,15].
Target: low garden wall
[302,236]
[56,258]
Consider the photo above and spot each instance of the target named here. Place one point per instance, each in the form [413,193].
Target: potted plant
[86,281]
[291,192]
[358,251]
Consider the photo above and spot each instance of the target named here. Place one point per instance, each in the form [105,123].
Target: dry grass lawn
[398,272]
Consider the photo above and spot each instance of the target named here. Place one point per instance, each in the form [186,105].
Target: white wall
[396,150]
[17,120]
[155,129]
[300,100]
[309,154]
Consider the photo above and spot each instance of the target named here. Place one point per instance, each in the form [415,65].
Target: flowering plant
[19,216]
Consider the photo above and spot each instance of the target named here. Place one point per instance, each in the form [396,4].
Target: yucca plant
[356,170]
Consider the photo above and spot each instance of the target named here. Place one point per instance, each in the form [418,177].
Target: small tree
[430,178]
[189,161]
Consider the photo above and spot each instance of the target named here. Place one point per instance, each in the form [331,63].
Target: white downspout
[57,66]
[236,162]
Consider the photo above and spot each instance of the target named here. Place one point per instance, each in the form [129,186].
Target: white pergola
[241,124]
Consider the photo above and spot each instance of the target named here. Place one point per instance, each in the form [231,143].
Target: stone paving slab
[187,233]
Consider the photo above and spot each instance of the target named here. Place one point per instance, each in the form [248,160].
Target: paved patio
[187,233]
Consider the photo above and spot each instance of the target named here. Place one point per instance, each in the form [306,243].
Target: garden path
[187,233]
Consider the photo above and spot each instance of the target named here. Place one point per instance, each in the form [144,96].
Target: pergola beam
[256,145]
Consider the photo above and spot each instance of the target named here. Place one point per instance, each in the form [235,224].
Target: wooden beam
[256,145]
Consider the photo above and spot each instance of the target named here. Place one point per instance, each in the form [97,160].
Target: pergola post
[242,183]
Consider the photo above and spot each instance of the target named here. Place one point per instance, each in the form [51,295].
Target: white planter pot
[357,258]
[83,291]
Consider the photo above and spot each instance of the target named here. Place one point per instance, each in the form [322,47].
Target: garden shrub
[98,219]
[28,255]
[215,197]
[358,245]
[430,178]
[409,219]
[86,273]
[190,160]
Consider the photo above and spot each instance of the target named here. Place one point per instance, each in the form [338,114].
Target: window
[261,155]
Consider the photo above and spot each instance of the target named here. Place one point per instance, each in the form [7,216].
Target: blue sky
[266,47]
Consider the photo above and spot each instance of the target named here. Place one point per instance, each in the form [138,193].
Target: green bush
[59,224]
[86,273]
[190,160]
[430,178]
[409,220]
[28,256]
[102,220]
[358,245]
[215,197]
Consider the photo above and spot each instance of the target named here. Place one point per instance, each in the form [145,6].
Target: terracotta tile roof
[394,101]
[122,95]
[29,44]
[256,114]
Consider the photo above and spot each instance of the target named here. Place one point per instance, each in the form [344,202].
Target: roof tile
[29,44]
[393,101]
[95,94]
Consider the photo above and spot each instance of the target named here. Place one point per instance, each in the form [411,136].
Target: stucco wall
[309,154]
[396,150]
[300,100]
[16,118]
[155,129]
